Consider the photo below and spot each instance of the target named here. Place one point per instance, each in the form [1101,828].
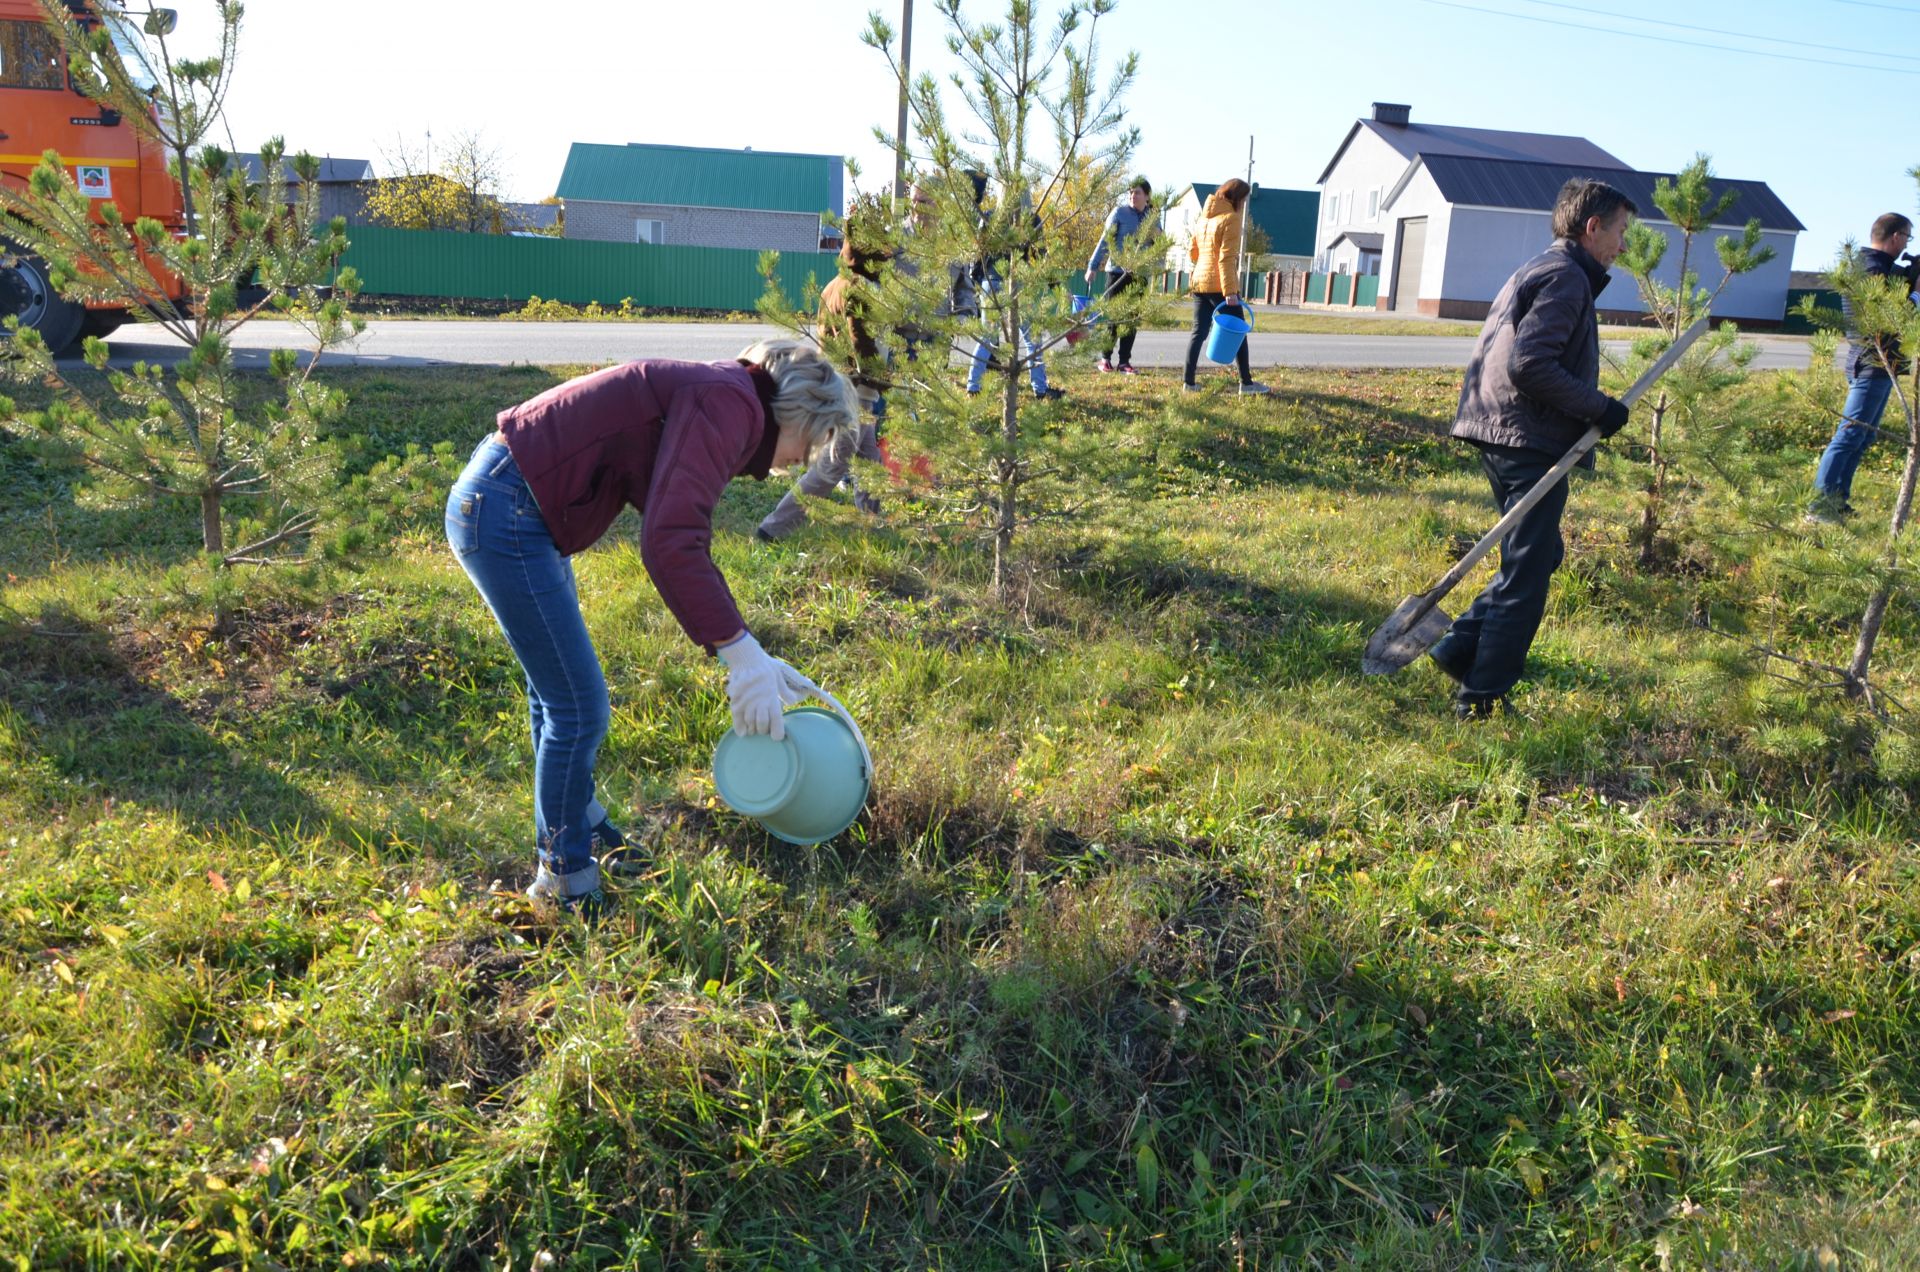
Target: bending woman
[664,437]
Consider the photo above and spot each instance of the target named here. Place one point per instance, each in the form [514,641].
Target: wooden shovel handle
[1554,475]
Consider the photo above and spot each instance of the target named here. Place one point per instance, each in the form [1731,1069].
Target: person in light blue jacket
[1124,222]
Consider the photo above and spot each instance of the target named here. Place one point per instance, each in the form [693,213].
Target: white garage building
[1444,214]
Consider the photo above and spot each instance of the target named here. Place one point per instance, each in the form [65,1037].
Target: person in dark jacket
[1869,384]
[664,438]
[1531,391]
[1127,221]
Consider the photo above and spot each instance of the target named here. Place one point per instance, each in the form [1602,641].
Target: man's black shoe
[1466,709]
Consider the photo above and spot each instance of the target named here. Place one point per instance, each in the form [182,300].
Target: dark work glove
[1613,419]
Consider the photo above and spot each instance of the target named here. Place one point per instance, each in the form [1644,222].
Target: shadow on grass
[1171,1056]
[105,726]
[43,523]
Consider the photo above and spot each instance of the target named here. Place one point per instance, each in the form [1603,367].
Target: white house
[1444,214]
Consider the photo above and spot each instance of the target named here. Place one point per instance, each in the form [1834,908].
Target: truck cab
[107,157]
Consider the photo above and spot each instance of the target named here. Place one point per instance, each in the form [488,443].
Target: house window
[645,231]
[1373,204]
[1333,209]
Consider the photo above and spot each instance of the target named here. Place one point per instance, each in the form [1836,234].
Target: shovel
[1419,623]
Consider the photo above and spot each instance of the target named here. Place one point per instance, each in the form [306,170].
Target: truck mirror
[161,21]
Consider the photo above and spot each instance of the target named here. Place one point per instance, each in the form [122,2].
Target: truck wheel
[26,293]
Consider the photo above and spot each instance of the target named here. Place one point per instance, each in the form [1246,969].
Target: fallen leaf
[1620,989]
[1842,1013]
[218,881]
[1416,1015]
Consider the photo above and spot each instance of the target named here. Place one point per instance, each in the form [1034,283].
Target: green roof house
[1288,217]
[691,196]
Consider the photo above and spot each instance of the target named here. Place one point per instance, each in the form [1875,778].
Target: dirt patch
[483,1037]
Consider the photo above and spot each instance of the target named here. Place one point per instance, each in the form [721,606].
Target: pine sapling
[1715,363]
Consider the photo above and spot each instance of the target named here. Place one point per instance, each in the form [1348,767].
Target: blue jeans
[501,540]
[1866,399]
[983,351]
[1204,303]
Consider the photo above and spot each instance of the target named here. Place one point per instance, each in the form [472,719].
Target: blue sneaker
[616,856]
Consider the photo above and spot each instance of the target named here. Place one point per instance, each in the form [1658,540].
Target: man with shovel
[1531,391]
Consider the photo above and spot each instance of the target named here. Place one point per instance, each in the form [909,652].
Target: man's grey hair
[809,393]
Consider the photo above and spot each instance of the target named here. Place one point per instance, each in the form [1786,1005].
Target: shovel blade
[1403,638]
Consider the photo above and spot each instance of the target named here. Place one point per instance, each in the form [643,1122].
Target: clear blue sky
[792,75]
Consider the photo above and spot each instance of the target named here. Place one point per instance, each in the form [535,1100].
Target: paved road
[427,344]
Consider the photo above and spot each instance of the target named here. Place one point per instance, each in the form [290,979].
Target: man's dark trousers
[1486,649]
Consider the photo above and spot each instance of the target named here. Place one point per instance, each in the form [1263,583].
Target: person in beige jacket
[1215,253]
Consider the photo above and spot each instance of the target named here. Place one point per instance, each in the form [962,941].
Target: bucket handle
[1246,311]
[799,681]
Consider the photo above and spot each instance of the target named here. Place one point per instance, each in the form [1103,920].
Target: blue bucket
[1223,343]
[1082,317]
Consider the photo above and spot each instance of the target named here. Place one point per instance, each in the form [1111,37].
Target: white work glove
[757,688]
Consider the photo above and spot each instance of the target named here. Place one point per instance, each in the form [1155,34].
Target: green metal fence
[1343,290]
[501,267]
[1825,297]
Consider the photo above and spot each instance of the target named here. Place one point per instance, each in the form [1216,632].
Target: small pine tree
[1716,363]
[1886,322]
[1045,130]
[263,474]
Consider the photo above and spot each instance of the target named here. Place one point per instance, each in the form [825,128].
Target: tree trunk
[1008,467]
[186,191]
[211,536]
[1876,611]
[1649,535]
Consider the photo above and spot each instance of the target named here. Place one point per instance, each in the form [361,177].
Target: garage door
[1407,262]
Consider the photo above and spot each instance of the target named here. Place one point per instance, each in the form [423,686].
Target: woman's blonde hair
[808,392]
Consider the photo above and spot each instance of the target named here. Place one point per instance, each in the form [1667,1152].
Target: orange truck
[108,159]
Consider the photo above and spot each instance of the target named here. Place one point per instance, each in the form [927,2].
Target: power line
[1668,39]
[1738,35]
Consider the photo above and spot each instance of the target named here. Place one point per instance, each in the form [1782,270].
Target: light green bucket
[807,787]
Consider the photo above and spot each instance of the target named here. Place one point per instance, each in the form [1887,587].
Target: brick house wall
[695,227]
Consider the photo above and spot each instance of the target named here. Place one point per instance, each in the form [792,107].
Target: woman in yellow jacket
[1216,274]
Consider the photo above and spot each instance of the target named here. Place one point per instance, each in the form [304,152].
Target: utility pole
[1241,254]
[906,77]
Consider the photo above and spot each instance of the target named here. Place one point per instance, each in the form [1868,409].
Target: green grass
[1168,939]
